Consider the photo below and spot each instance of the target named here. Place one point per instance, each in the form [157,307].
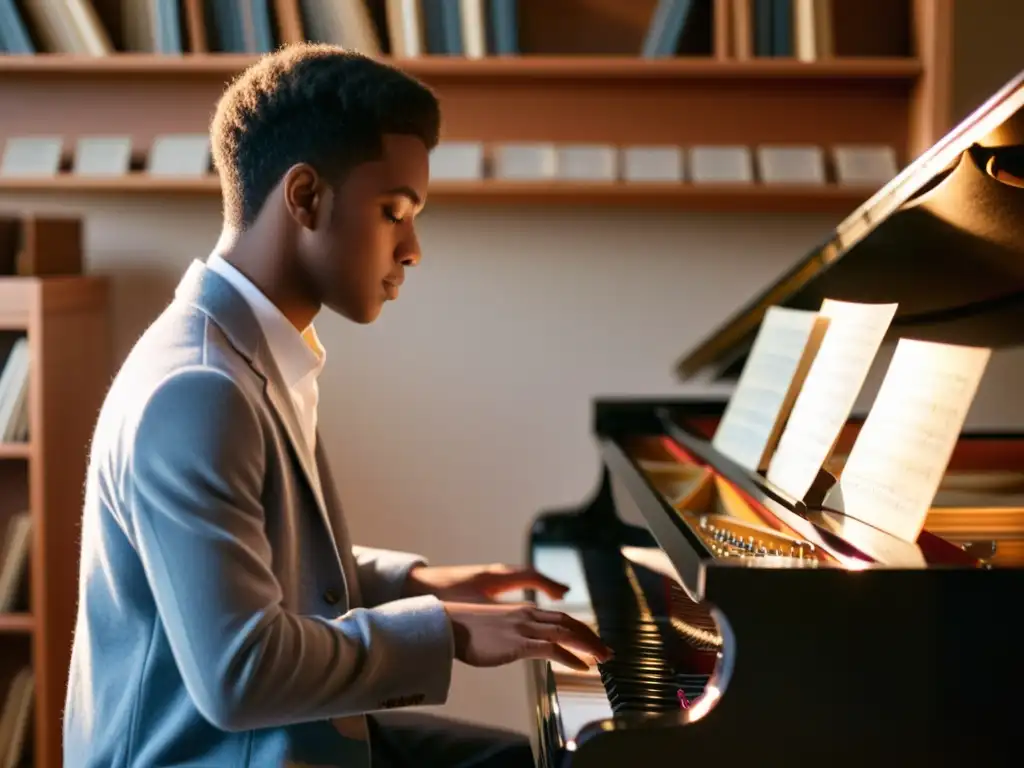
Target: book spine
[504,27]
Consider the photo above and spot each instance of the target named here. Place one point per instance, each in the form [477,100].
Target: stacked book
[14,394]
[15,717]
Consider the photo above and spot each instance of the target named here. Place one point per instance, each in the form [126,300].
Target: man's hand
[493,635]
[477,583]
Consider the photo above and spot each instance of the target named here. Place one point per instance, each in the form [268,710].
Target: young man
[225,618]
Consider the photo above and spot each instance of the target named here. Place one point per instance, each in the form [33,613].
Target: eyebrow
[407,191]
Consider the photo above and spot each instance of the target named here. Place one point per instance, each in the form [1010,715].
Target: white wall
[986,50]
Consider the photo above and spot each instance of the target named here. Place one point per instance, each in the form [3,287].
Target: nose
[408,251]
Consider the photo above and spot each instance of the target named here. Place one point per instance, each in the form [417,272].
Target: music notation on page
[901,454]
[779,357]
[835,378]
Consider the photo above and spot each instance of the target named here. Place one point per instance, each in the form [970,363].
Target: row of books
[797,390]
[14,394]
[103,27]
[403,28]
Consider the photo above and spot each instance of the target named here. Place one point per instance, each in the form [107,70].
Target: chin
[363,315]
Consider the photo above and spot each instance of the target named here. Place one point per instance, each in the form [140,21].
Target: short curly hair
[311,103]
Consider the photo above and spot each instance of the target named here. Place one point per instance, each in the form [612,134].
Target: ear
[303,195]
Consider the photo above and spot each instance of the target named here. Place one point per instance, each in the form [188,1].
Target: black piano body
[753,628]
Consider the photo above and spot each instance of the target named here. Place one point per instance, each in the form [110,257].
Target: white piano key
[578,708]
[563,564]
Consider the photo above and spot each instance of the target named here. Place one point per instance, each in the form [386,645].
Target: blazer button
[331,597]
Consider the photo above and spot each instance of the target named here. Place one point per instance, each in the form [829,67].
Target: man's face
[358,252]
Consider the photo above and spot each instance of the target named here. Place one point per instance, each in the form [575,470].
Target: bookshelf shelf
[707,197]
[16,623]
[15,450]
[134,183]
[501,68]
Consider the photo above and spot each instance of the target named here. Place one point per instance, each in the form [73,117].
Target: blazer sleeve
[382,573]
[196,473]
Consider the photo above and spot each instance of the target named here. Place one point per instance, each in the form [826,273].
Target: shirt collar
[298,355]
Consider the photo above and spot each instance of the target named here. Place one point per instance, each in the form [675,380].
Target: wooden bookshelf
[65,320]
[578,79]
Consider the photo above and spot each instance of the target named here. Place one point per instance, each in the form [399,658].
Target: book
[666,28]
[898,461]
[16,717]
[835,378]
[779,360]
[14,390]
[474,28]
[405,28]
[16,540]
[503,27]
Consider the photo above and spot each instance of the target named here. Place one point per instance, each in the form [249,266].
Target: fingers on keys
[562,631]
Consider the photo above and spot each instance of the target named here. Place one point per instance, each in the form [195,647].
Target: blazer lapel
[217,298]
[277,395]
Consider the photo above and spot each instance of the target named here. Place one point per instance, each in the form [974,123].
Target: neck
[270,264]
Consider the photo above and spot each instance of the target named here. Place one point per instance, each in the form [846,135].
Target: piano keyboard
[664,644]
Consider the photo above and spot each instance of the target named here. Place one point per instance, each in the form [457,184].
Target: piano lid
[944,238]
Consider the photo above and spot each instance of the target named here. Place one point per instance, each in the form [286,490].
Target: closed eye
[389,214]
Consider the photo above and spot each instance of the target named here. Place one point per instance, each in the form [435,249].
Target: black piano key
[647,674]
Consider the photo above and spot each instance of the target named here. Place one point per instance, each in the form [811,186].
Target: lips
[391,289]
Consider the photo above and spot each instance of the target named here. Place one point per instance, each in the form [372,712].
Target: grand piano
[754,628]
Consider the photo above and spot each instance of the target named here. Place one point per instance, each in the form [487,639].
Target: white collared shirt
[299,356]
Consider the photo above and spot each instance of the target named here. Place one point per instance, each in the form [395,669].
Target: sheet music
[901,453]
[854,334]
[754,410]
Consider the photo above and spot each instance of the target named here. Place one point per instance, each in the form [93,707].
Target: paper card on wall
[791,164]
[525,161]
[854,334]
[903,448]
[103,156]
[180,155]
[868,165]
[587,162]
[775,369]
[721,164]
[457,161]
[31,156]
[653,163]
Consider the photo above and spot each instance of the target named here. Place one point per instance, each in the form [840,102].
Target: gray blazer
[225,619]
